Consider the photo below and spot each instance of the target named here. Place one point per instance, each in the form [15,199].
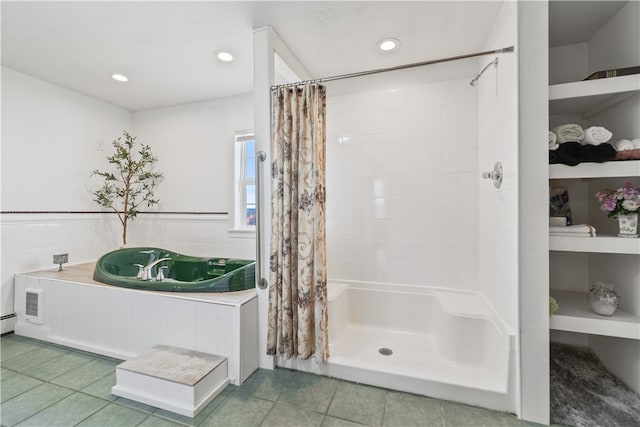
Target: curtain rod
[401,67]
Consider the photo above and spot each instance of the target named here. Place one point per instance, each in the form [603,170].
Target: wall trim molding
[82,216]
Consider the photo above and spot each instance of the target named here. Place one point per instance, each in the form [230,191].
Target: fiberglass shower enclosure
[406,202]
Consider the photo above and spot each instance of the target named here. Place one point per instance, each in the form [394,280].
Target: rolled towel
[569,132]
[623,145]
[596,135]
[553,141]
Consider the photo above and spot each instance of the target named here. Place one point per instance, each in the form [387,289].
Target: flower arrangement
[625,200]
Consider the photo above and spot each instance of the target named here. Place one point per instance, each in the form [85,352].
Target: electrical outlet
[100,145]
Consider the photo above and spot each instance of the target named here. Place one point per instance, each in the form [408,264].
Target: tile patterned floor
[48,385]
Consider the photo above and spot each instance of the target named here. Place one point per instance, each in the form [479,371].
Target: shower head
[475,80]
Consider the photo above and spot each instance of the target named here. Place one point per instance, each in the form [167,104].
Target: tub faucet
[146,271]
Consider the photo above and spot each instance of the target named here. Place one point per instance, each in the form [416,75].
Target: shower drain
[385,351]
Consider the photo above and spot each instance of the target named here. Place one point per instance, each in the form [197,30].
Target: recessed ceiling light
[388,44]
[224,56]
[120,77]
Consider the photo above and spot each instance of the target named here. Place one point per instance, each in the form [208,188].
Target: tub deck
[76,311]
[83,274]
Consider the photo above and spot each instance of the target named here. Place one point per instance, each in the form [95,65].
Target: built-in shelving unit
[576,263]
[599,244]
[589,97]
[595,170]
[575,315]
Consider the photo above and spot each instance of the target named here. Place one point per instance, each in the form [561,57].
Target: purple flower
[609,204]
[628,191]
[625,199]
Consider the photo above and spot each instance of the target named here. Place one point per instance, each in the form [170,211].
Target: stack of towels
[594,135]
[570,144]
[581,230]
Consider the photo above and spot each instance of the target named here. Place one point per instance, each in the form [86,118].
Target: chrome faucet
[144,272]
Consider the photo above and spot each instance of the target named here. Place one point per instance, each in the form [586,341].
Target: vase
[604,300]
[628,225]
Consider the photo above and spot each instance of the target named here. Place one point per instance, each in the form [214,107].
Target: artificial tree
[131,183]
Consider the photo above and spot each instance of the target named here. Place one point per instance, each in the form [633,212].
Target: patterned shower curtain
[298,270]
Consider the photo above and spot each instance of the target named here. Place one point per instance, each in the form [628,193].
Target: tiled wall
[402,185]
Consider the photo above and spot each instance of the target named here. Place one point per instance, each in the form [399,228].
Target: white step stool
[171,378]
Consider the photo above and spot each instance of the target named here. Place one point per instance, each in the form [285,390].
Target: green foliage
[131,183]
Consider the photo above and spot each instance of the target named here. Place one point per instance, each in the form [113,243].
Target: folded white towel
[569,132]
[573,230]
[635,143]
[573,234]
[623,145]
[596,135]
[553,141]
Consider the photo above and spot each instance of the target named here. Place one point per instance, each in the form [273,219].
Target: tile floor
[48,385]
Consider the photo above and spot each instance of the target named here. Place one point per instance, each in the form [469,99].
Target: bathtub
[181,273]
[430,341]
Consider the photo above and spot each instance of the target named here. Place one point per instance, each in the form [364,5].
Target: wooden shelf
[626,168]
[600,244]
[575,315]
[591,96]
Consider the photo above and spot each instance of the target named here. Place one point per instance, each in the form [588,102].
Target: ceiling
[166,48]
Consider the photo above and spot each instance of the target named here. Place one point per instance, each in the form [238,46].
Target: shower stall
[422,252]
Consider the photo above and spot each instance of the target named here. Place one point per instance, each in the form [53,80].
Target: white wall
[49,141]
[611,47]
[402,191]
[533,200]
[569,63]
[615,45]
[195,146]
[48,130]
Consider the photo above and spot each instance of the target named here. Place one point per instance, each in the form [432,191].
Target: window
[245,182]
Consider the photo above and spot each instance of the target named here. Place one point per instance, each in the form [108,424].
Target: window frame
[241,182]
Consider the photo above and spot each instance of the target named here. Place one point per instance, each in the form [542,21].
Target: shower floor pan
[435,342]
[413,355]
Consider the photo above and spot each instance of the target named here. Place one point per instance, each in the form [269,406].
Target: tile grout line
[384,408]
[73,391]
[332,397]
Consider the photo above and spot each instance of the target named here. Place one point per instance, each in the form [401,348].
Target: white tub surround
[75,311]
[445,344]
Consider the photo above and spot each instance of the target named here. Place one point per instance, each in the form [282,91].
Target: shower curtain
[298,270]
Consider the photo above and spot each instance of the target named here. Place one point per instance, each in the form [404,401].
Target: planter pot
[628,225]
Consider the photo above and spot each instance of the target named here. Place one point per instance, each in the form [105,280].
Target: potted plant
[131,183]
[623,204]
